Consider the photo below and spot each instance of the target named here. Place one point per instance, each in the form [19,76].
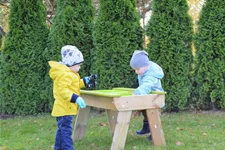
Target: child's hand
[81,102]
[136,92]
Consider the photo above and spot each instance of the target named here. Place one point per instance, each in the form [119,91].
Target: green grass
[183,131]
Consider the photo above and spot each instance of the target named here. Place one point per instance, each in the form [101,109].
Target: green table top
[115,92]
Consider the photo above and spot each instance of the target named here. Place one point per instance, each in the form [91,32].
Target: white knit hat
[139,59]
[71,55]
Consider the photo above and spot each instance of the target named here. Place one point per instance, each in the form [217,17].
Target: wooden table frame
[119,111]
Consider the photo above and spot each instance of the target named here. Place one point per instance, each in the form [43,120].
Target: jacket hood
[154,70]
[57,68]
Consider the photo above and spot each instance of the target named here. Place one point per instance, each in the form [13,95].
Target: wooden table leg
[81,123]
[158,138]
[112,119]
[121,129]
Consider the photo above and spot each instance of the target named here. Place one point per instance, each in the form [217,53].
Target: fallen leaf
[204,134]
[183,119]
[92,144]
[102,124]
[179,143]
[134,147]
[214,125]
[131,133]
[4,148]
[179,129]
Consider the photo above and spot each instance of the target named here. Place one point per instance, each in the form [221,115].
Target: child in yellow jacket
[66,91]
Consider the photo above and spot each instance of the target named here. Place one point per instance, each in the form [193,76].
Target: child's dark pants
[63,139]
[145,115]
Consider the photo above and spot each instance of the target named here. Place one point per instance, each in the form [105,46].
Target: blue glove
[81,102]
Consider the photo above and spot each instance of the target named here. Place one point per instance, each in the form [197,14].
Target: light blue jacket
[150,80]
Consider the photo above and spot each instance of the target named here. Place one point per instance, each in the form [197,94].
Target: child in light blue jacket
[149,79]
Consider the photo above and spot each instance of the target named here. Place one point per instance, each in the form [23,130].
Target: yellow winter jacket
[65,83]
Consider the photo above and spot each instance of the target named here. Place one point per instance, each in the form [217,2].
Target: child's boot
[150,137]
[145,129]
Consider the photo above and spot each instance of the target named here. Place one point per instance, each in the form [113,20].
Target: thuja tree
[117,34]
[209,80]
[22,65]
[72,25]
[0,39]
[170,31]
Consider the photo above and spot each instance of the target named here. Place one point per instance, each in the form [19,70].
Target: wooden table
[119,104]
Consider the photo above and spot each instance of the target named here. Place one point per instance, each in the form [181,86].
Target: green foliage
[117,33]
[22,66]
[201,131]
[72,25]
[209,80]
[170,31]
[1,39]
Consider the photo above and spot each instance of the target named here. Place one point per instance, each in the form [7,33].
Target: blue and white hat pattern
[71,55]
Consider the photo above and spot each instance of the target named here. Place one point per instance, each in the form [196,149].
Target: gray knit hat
[139,59]
[71,55]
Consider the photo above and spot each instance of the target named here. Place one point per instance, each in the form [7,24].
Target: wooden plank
[121,130]
[112,119]
[98,101]
[158,138]
[139,102]
[81,123]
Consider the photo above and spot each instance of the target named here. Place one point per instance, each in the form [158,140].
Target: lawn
[183,131]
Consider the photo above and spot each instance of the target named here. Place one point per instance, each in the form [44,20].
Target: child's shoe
[145,129]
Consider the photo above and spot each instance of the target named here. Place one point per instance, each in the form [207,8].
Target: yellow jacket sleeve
[82,85]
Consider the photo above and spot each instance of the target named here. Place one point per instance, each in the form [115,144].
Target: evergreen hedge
[22,66]
[117,33]
[72,25]
[170,31]
[0,40]
[209,79]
